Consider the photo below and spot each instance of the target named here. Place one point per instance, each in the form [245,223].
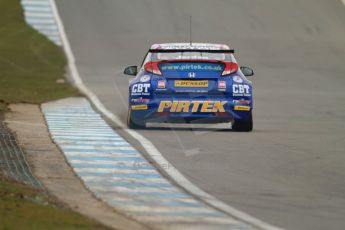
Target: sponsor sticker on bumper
[139,107]
[192,106]
[161,84]
[242,108]
[222,85]
[179,83]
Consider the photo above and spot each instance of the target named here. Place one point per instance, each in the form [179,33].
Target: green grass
[30,64]
[22,207]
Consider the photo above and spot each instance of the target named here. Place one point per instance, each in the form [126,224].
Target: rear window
[226,57]
[191,55]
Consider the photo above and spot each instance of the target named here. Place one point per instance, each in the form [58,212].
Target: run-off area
[118,174]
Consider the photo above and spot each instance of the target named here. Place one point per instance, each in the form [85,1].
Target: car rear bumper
[215,110]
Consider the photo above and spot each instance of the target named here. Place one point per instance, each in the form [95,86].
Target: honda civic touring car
[190,83]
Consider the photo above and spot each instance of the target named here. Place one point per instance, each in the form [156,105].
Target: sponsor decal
[140,100]
[222,85]
[242,101]
[161,84]
[191,75]
[191,67]
[237,79]
[139,107]
[202,84]
[242,108]
[190,91]
[241,90]
[140,89]
[192,106]
[145,78]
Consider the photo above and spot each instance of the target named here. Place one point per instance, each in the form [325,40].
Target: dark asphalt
[290,171]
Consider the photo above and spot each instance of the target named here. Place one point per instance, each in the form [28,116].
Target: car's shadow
[192,128]
[188,129]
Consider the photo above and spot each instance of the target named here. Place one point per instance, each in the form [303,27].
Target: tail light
[230,67]
[153,67]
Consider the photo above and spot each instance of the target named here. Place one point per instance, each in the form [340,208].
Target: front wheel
[241,125]
[134,124]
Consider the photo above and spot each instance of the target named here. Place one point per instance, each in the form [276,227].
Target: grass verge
[30,67]
[22,207]
[30,64]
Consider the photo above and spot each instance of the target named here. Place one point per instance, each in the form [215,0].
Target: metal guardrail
[12,159]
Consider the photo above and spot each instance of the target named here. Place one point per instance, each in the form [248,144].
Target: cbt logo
[241,90]
[141,89]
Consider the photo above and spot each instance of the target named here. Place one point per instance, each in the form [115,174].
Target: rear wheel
[134,124]
[241,125]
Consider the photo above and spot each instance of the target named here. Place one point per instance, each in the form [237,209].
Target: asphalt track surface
[290,171]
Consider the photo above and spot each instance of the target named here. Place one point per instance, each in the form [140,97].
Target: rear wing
[190,50]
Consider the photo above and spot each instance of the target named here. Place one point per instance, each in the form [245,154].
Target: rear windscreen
[192,56]
[225,57]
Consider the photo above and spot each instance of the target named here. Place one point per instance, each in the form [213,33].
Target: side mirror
[131,70]
[247,71]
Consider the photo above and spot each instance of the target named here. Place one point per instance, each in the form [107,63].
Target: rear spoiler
[190,50]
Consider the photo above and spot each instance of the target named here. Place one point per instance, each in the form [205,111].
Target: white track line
[148,146]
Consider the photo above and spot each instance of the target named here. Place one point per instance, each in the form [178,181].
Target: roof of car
[188,46]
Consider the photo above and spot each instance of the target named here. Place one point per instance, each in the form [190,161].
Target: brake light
[153,67]
[230,67]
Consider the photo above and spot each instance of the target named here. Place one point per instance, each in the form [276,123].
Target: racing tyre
[243,125]
[134,124]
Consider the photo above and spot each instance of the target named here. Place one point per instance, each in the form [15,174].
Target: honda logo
[192,75]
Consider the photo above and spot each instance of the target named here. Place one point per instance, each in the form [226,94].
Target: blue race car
[193,83]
